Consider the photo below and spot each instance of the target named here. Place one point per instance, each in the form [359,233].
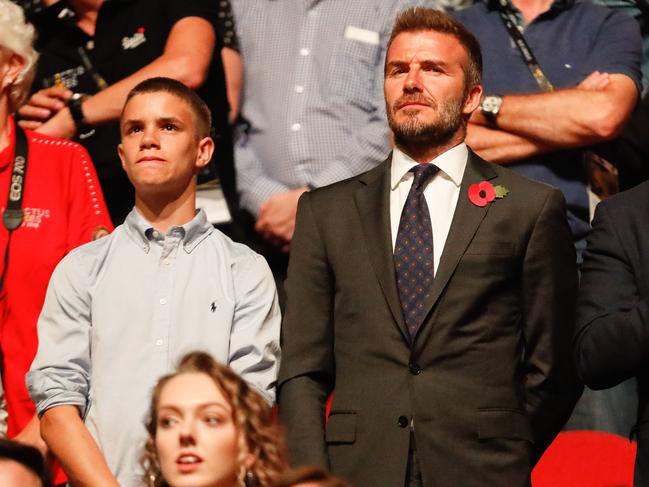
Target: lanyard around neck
[13,215]
[509,19]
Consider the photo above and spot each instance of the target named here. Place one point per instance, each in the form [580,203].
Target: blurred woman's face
[196,438]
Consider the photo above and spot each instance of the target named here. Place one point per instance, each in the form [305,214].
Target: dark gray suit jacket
[612,341]
[488,381]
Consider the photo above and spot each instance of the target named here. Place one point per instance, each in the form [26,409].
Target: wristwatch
[84,129]
[74,105]
[490,106]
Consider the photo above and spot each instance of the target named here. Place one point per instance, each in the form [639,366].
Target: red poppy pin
[484,192]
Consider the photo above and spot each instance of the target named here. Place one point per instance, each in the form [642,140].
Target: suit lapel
[465,223]
[373,204]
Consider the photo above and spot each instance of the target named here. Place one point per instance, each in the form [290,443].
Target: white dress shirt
[441,192]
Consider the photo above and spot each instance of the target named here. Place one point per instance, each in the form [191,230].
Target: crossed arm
[186,57]
[527,125]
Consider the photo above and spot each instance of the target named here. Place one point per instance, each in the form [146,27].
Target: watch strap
[76,110]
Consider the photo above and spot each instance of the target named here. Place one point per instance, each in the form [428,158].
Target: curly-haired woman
[208,428]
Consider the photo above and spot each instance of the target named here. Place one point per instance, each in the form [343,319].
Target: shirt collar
[191,233]
[450,163]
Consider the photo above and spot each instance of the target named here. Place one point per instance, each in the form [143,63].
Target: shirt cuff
[48,390]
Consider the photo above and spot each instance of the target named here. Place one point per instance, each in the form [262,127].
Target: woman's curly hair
[259,433]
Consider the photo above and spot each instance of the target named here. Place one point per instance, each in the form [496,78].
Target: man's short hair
[27,456]
[420,19]
[168,85]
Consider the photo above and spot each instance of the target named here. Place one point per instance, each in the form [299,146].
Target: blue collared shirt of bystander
[572,39]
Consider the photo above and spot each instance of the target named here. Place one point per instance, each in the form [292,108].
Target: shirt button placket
[163,321]
[303,73]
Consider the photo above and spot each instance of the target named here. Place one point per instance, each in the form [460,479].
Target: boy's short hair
[168,85]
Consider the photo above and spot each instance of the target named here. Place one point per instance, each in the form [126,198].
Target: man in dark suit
[434,293]
[612,340]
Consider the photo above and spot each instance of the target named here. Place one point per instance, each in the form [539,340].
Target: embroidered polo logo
[135,40]
[68,78]
[213,307]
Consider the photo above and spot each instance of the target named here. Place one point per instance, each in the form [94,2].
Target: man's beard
[414,133]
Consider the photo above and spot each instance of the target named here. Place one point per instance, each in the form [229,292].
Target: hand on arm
[74,447]
[186,57]
[595,81]
[592,112]
[42,106]
[502,147]
[276,220]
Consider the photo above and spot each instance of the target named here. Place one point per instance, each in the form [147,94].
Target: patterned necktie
[413,252]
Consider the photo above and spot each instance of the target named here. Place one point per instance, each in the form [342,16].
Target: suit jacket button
[402,422]
[414,369]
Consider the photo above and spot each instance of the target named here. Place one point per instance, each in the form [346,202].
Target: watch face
[491,104]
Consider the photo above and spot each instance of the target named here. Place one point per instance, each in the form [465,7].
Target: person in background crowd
[93,52]
[231,57]
[49,192]
[613,307]
[22,466]
[309,477]
[207,427]
[639,10]
[590,56]
[319,118]
[119,312]
[630,151]
[439,315]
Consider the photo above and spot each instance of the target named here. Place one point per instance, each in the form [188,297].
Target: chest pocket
[353,66]
[489,259]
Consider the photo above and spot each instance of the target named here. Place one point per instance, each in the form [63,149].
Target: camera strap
[13,215]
